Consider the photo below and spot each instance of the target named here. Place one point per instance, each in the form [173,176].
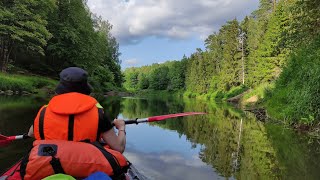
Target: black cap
[73,79]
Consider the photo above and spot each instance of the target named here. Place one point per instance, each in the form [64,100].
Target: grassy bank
[25,83]
[217,95]
[157,93]
[295,97]
[257,96]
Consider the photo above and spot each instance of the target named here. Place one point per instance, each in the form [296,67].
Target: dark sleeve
[104,122]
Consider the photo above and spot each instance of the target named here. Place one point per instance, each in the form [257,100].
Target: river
[226,143]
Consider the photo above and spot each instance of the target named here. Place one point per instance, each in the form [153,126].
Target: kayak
[13,173]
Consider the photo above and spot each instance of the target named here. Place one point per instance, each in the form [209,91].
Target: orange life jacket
[78,159]
[71,116]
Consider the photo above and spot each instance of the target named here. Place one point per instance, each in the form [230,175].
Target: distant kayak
[13,173]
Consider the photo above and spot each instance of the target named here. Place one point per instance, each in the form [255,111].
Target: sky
[155,31]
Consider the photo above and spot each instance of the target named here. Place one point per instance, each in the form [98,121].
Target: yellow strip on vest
[99,105]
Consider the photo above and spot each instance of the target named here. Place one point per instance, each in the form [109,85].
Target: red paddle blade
[162,117]
[4,141]
[2,137]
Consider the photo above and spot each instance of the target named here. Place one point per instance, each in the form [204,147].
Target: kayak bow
[13,173]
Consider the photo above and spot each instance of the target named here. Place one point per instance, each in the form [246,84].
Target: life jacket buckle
[47,149]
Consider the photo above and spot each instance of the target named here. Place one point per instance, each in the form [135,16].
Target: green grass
[295,97]
[24,83]
[216,95]
[234,91]
[158,93]
[259,91]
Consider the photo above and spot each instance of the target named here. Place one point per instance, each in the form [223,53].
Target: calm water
[224,144]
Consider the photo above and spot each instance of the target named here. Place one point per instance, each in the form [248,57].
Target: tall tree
[176,75]
[257,27]
[108,48]
[272,52]
[72,29]
[23,25]
[304,16]
[230,65]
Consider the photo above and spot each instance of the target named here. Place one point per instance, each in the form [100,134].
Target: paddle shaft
[136,121]
[7,139]
[161,117]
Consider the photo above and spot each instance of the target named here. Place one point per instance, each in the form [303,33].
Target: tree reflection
[234,143]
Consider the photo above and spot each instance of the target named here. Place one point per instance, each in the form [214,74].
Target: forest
[273,54]
[42,37]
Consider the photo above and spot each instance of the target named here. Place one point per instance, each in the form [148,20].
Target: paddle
[161,117]
[5,140]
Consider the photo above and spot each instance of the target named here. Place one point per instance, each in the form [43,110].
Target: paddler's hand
[119,124]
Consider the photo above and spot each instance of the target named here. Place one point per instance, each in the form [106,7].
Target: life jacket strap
[70,127]
[111,159]
[51,150]
[56,165]
[41,123]
[101,119]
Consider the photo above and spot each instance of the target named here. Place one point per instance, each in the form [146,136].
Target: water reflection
[16,116]
[170,165]
[234,143]
[224,144]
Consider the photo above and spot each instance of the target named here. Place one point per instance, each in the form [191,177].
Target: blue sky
[154,31]
[157,50]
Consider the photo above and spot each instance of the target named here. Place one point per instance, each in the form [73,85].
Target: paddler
[73,115]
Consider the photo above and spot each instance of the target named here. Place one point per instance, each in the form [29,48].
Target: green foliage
[74,38]
[131,79]
[270,55]
[159,94]
[176,75]
[234,91]
[143,81]
[190,94]
[101,79]
[296,92]
[24,83]
[23,25]
[166,76]
[159,78]
[303,23]
[259,91]
[66,32]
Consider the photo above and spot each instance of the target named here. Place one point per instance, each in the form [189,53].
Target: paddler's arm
[116,142]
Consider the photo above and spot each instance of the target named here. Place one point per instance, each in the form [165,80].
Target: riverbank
[16,84]
[255,101]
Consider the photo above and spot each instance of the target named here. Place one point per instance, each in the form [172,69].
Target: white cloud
[170,165]
[133,20]
[131,62]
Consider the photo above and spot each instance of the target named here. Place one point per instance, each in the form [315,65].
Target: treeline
[250,54]
[45,36]
[167,76]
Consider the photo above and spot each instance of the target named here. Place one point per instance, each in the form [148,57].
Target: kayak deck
[13,173]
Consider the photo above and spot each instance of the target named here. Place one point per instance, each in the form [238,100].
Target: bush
[296,94]
[234,91]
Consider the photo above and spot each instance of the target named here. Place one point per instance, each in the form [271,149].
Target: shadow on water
[225,143]
[16,116]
